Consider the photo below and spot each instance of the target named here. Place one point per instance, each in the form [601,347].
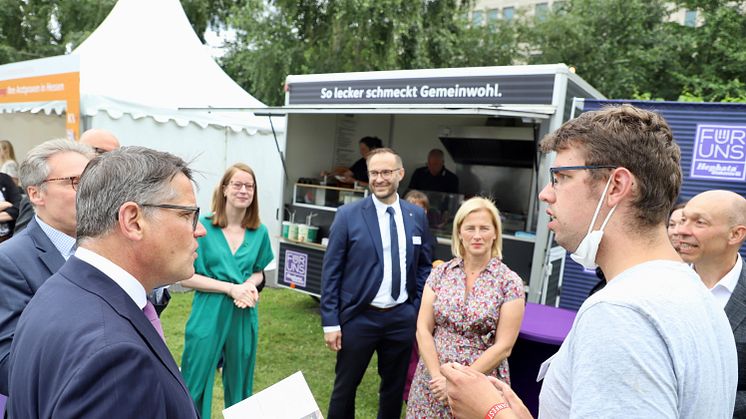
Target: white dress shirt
[61,241]
[383,298]
[724,288]
[127,282]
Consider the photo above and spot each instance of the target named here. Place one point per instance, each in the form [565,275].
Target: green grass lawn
[290,339]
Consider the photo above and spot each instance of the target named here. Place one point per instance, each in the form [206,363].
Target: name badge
[544,367]
[416,240]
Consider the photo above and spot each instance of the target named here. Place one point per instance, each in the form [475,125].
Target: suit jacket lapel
[371,221]
[49,255]
[735,309]
[96,282]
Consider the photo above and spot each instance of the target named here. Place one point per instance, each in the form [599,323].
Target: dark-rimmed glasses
[554,170]
[193,210]
[74,181]
[386,174]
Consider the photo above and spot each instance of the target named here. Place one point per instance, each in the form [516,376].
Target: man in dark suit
[88,344]
[712,230]
[50,174]
[374,269]
[103,141]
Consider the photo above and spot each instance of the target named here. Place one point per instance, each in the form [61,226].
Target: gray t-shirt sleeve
[620,366]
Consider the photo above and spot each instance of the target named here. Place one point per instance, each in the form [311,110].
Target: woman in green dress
[223,322]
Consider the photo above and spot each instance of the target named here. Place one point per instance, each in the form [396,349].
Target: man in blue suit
[89,344]
[49,173]
[374,269]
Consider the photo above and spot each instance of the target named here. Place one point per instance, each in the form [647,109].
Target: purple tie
[151,314]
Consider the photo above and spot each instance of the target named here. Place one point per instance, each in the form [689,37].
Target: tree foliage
[283,37]
[42,28]
[625,48]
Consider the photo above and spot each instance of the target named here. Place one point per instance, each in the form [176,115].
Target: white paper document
[288,399]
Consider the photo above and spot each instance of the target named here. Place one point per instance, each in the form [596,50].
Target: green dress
[216,327]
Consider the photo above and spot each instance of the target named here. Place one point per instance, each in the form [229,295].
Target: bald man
[713,228]
[101,140]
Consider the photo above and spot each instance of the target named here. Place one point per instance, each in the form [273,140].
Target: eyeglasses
[237,186]
[74,181]
[193,210]
[554,170]
[386,174]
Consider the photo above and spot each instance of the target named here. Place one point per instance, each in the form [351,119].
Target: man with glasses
[88,343]
[374,269]
[103,141]
[50,174]
[653,343]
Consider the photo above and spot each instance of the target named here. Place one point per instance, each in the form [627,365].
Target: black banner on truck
[534,89]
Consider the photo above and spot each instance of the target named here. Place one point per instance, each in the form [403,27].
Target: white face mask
[585,254]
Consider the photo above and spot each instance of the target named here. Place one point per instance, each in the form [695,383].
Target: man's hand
[470,393]
[519,409]
[333,340]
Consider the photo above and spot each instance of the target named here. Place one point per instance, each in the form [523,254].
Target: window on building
[690,18]
[508,13]
[477,18]
[559,6]
[541,10]
[492,15]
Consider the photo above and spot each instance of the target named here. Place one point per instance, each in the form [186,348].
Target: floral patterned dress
[465,325]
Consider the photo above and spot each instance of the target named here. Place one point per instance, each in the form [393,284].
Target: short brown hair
[251,218]
[383,150]
[636,139]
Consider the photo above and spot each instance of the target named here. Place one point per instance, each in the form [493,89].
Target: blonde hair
[251,218]
[11,154]
[477,203]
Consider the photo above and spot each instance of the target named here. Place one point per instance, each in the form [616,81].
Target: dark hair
[636,139]
[372,142]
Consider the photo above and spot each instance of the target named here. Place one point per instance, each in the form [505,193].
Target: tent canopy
[145,60]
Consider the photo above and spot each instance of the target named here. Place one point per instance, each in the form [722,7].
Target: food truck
[487,120]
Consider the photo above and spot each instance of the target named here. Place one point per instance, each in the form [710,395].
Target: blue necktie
[395,268]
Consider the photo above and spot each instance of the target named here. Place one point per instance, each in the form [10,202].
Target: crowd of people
[112,227]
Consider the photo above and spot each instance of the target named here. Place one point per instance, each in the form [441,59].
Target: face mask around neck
[585,254]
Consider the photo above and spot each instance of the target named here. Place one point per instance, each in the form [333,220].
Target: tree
[714,61]
[284,37]
[43,28]
[621,47]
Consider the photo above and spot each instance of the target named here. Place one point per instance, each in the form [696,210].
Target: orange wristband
[495,409]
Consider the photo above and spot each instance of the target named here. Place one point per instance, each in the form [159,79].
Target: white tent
[139,67]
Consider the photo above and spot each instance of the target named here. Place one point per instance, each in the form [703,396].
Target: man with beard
[374,270]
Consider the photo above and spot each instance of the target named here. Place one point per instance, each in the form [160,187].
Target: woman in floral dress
[471,312]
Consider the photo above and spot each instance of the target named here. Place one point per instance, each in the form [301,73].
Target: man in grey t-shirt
[653,343]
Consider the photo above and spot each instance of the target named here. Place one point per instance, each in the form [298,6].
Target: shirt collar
[730,280]
[381,207]
[124,279]
[61,241]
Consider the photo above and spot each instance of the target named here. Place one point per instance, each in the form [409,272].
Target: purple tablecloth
[546,324]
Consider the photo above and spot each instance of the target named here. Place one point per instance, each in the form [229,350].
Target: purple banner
[719,152]
[296,268]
